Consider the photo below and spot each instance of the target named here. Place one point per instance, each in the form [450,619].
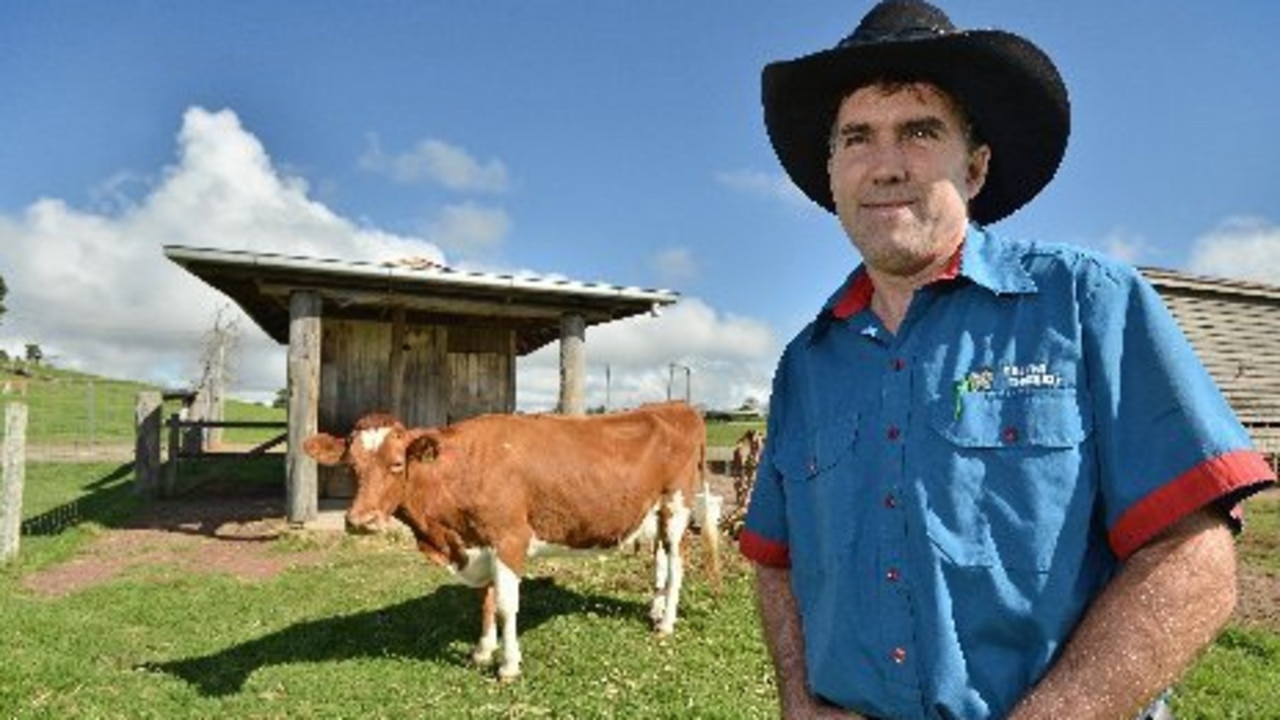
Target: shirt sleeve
[764,537]
[1168,442]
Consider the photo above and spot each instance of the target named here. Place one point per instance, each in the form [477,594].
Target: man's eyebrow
[932,124]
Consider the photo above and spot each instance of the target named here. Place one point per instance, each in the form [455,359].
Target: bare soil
[226,534]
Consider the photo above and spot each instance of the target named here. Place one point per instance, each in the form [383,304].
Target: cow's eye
[397,468]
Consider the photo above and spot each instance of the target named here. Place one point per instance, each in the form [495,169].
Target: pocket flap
[1040,418]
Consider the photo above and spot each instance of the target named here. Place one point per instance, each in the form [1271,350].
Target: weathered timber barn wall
[1234,327]
[445,373]
[430,344]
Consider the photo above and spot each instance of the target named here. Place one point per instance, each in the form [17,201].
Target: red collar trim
[858,295]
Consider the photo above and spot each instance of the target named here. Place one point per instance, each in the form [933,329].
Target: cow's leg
[483,652]
[507,587]
[661,563]
[677,515]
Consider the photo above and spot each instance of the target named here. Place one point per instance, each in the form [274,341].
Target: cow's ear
[325,448]
[423,448]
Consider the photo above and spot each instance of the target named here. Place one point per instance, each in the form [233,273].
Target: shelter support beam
[573,364]
[302,497]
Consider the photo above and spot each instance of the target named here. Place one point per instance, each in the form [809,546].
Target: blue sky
[611,141]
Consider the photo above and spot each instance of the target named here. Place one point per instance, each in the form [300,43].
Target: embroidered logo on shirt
[1030,375]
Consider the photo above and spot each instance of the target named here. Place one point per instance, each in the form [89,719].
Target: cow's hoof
[508,674]
[663,630]
[482,657]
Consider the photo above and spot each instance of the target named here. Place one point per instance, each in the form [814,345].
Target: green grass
[372,631]
[726,434]
[65,406]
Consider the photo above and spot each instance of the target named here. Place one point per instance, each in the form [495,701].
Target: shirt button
[1010,434]
[892,575]
[899,364]
[894,432]
[899,655]
[890,501]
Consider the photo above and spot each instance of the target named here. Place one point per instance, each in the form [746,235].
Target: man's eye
[848,140]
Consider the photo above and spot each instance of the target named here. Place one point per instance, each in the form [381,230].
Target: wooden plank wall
[450,373]
[482,368]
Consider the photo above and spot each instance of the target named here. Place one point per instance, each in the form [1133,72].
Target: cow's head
[376,453]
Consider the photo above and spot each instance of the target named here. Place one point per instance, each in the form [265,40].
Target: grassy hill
[65,406]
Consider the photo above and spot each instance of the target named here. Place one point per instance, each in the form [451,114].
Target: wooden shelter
[431,344]
[1234,327]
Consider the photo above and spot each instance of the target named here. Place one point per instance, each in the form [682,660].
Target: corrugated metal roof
[261,283]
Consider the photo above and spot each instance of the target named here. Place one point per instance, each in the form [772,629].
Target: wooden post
[15,470]
[302,494]
[573,331]
[169,481]
[399,359]
[146,446]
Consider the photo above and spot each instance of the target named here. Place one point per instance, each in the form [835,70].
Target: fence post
[146,448]
[15,470]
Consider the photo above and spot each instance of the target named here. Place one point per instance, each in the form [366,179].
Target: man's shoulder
[1047,259]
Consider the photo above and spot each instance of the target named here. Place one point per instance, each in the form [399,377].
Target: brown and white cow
[483,495]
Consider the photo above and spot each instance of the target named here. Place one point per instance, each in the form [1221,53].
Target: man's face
[902,174]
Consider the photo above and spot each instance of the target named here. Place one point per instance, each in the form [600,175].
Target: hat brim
[1013,93]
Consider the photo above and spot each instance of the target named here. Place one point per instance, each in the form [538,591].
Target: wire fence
[76,419]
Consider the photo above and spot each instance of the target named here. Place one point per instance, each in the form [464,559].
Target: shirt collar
[981,258]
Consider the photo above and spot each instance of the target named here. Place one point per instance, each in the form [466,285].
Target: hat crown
[898,21]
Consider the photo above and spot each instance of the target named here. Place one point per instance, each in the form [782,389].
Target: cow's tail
[710,522]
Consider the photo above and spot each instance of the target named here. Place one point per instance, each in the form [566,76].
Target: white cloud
[92,286]
[777,186]
[675,266]
[94,289]
[1125,245]
[469,229]
[1245,248]
[439,162]
[729,358]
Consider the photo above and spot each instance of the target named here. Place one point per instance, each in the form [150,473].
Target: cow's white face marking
[372,439]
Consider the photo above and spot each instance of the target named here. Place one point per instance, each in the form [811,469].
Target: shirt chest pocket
[820,488]
[1010,479]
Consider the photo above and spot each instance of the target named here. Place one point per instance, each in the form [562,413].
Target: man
[998,482]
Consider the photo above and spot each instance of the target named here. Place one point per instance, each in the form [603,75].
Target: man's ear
[326,449]
[976,177]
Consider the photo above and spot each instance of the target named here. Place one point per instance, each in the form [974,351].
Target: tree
[4,290]
[282,398]
[34,354]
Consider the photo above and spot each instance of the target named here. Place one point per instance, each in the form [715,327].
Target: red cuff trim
[1190,491]
[763,550]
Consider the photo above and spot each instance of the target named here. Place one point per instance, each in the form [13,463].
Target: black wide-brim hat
[1010,89]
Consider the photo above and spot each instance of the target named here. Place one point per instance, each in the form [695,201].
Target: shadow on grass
[108,501]
[438,628]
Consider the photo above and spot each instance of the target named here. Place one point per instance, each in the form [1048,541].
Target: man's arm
[780,620]
[1169,600]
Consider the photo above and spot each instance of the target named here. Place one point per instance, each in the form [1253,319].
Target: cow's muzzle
[364,523]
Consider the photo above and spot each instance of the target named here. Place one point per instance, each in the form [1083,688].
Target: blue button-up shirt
[949,498]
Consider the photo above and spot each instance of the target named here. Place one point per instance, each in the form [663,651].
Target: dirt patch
[1259,598]
[213,535]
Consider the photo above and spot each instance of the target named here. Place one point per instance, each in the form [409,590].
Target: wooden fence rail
[186,441]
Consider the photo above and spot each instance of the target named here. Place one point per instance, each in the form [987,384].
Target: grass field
[203,620]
